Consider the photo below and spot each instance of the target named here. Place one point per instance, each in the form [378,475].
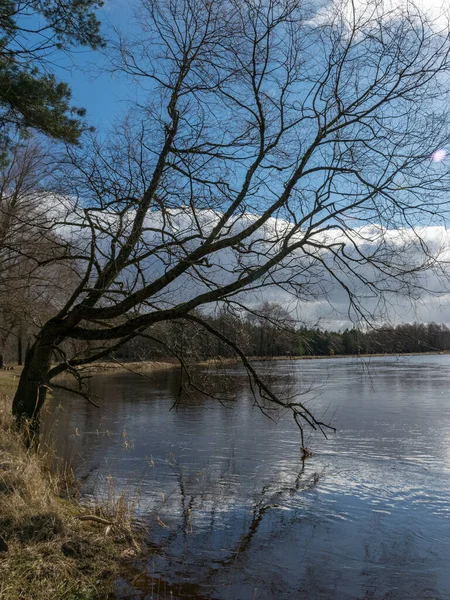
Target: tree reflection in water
[176,560]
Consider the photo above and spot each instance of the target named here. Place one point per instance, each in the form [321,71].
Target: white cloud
[363,11]
[423,295]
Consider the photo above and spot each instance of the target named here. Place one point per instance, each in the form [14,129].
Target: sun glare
[439,155]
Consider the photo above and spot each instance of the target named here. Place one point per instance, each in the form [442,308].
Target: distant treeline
[271,332]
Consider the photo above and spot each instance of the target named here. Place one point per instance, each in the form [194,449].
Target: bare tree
[279,147]
[29,283]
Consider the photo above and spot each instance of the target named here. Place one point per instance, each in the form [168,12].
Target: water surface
[233,512]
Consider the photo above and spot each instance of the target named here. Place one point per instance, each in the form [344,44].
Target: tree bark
[19,349]
[32,389]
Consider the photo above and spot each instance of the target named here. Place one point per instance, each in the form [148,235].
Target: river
[232,511]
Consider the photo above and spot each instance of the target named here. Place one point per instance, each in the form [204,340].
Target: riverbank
[135,366]
[233,361]
[51,546]
[148,366]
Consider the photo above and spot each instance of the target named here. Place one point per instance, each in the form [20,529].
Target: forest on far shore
[271,331]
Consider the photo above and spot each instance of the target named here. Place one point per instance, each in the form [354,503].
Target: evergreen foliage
[31,97]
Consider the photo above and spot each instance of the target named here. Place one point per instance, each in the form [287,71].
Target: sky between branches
[108,97]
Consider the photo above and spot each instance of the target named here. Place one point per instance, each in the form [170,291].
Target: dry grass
[126,367]
[50,546]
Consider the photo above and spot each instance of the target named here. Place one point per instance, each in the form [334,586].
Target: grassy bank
[51,546]
[123,367]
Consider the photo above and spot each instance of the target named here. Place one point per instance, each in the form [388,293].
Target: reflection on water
[234,512]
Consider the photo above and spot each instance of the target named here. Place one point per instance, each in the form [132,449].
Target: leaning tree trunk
[32,389]
[19,349]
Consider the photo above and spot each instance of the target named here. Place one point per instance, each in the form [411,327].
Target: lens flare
[439,155]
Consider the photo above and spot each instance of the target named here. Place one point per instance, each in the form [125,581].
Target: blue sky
[103,95]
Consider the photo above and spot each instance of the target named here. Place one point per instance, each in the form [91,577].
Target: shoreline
[214,362]
[14,371]
[51,544]
[373,355]
[123,367]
